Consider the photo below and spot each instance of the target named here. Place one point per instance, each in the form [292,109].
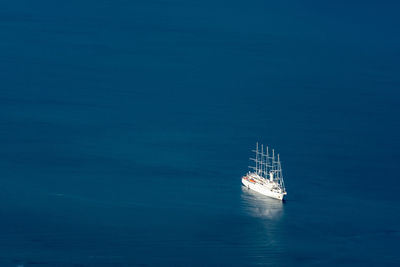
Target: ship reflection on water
[260,206]
[265,230]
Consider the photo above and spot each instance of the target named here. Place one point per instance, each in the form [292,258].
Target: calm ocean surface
[125,127]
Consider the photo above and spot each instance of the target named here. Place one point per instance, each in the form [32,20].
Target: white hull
[262,189]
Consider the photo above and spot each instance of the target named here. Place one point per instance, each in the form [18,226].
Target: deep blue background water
[125,127]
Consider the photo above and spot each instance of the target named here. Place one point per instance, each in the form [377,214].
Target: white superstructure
[266,176]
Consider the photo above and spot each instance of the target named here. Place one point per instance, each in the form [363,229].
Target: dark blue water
[125,127]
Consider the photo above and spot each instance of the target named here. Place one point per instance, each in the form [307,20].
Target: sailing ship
[266,176]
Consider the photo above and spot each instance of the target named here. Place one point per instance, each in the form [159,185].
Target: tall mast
[261,161]
[257,157]
[266,162]
[273,159]
[278,167]
[281,175]
[273,166]
[256,168]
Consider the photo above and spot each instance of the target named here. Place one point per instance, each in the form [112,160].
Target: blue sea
[125,128]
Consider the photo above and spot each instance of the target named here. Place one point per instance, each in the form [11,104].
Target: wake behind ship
[266,176]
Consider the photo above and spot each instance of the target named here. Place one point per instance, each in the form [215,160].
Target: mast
[273,166]
[273,160]
[278,172]
[257,157]
[266,163]
[255,160]
[262,161]
[282,184]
